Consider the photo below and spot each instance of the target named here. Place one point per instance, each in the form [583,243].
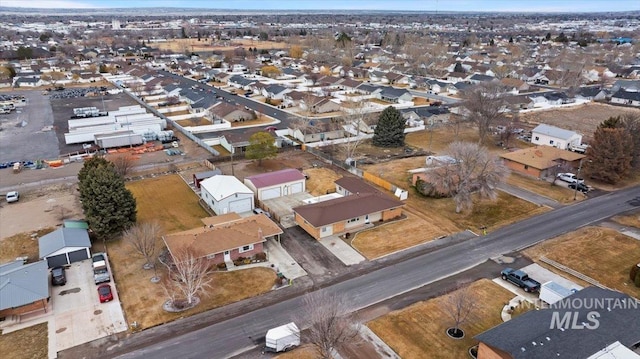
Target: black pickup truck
[521,279]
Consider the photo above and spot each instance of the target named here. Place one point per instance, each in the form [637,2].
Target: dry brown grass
[321,181]
[260,120]
[603,254]
[22,244]
[28,343]
[429,218]
[582,119]
[631,220]
[181,45]
[200,121]
[419,331]
[302,352]
[177,113]
[442,137]
[544,188]
[169,200]
[419,101]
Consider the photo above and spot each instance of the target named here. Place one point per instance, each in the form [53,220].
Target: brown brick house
[539,161]
[227,237]
[361,205]
[24,288]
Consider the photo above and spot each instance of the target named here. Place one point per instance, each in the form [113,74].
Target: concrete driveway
[78,315]
[540,274]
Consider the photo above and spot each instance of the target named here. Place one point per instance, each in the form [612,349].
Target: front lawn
[556,192]
[603,254]
[28,343]
[419,331]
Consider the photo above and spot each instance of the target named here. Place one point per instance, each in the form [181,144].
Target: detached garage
[64,246]
[226,194]
[276,184]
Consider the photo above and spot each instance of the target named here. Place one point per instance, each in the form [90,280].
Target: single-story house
[325,105]
[591,93]
[362,206]
[319,131]
[554,136]
[24,288]
[392,94]
[276,184]
[201,176]
[540,161]
[64,246]
[225,194]
[231,113]
[275,92]
[626,98]
[571,328]
[225,238]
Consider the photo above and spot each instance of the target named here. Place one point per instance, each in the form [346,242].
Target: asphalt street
[243,332]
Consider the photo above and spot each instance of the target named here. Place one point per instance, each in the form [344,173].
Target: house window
[537,138]
[353,220]
[325,229]
[246,248]
[211,256]
[526,167]
[551,142]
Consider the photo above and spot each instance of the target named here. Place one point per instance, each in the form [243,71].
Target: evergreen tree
[108,205]
[608,156]
[390,129]
[261,145]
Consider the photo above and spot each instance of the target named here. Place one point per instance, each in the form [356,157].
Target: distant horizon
[539,6]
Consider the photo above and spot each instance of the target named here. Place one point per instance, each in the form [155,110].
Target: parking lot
[27,132]
[78,315]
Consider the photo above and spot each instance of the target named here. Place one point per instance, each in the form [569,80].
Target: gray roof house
[392,94]
[64,246]
[579,326]
[24,288]
[548,135]
[626,97]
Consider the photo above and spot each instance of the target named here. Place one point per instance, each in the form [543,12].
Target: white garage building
[225,194]
[548,135]
[276,184]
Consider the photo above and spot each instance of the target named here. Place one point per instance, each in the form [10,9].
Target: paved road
[243,332]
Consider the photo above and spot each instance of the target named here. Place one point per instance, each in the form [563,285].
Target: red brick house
[539,161]
[225,238]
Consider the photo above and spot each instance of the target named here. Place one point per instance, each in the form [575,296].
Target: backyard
[169,200]
[22,245]
[419,331]
[601,253]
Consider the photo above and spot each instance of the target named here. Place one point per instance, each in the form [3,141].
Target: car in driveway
[58,276]
[12,196]
[580,187]
[104,293]
[569,177]
[260,210]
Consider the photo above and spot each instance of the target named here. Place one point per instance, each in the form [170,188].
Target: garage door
[270,193]
[77,256]
[57,261]
[295,188]
[240,206]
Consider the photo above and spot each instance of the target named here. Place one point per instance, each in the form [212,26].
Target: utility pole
[575,191]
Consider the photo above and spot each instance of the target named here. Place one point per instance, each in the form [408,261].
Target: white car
[13,196]
[570,177]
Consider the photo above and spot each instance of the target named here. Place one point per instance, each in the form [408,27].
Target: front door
[227,256]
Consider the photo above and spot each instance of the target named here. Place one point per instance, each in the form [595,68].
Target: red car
[104,292]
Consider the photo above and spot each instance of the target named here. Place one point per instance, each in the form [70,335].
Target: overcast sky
[417,5]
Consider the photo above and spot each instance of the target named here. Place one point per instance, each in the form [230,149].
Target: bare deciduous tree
[189,273]
[330,322]
[484,105]
[459,305]
[474,170]
[123,163]
[143,237]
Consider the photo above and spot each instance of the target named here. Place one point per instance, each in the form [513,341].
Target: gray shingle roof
[23,284]
[61,238]
[627,95]
[553,131]
[530,335]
